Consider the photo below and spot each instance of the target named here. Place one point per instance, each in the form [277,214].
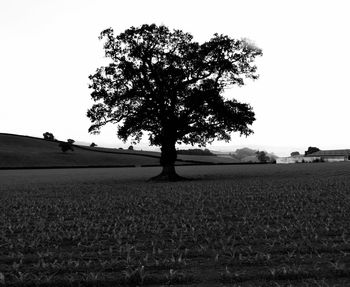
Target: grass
[24,152]
[257,225]
[19,151]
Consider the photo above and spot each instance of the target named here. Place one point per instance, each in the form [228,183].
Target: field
[24,152]
[20,151]
[249,225]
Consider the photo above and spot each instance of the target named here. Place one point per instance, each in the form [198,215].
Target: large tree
[164,83]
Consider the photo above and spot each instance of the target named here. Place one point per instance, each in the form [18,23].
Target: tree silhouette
[311,150]
[295,153]
[262,156]
[48,136]
[165,84]
[65,146]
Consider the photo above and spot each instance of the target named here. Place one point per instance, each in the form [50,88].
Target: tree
[311,150]
[131,148]
[93,145]
[165,84]
[244,152]
[65,146]
[294,153]
[262,156]
[48,136]
[71,141]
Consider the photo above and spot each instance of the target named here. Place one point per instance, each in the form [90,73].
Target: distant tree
[311,150]
[48,136]
[295,153]
[93,145]
[262,156]
[244,152]
[164,83]
[131,148]
[65,146]
[70,141]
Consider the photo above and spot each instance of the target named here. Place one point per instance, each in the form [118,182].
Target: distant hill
[17,151]
[181,157]
[23,151]
[244,155]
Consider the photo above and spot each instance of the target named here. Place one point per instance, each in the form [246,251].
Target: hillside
[24,152]
[181,157]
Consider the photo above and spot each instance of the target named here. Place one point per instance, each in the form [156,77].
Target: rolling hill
[17,151]
[23,151]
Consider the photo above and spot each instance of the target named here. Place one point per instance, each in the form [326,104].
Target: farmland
[252,225]
[18,151]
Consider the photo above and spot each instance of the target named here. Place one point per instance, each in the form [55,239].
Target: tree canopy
[65,146]
[311,150]
[48,136]
[164,83]
[262,156]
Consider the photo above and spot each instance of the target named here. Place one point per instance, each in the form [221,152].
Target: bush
[48,136]
[65,146]
[93,145]
[131,148]
[70,141]
[262,156]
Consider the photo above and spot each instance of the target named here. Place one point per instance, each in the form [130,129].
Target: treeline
[252,155]
[195,151]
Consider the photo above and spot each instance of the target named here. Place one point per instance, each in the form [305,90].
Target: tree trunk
[167,160]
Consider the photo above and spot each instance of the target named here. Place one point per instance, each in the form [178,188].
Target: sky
[50,47]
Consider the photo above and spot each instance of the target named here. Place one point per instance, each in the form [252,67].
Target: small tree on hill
[164,83]
[131,148]
[93,145]
[65,146]
[48,136]
[70,141]
[295,153]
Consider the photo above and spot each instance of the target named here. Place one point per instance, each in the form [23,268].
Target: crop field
[249,225]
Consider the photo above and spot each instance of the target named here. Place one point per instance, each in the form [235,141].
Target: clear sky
[50,47]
